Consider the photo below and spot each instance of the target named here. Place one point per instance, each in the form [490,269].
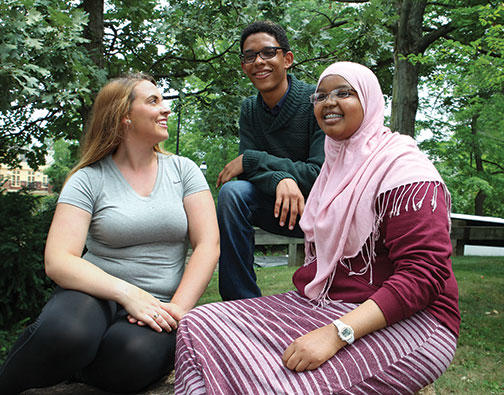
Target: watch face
[346,333]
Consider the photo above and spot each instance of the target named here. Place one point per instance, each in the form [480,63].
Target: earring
[128,121]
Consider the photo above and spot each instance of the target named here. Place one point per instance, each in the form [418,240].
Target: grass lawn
[478,367]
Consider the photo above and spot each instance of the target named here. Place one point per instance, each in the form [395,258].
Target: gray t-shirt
[140,239]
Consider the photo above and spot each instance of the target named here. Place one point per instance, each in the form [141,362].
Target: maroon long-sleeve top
[412,270]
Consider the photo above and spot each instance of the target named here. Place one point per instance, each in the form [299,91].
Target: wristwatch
[345,332]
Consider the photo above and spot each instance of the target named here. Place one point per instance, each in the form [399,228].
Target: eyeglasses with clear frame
[336,94]
[265,53]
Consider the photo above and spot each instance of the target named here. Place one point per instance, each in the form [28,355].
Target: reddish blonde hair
[105,131]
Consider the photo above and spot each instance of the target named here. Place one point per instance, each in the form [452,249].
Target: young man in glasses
[280,155]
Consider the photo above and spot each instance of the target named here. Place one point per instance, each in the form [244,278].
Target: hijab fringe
[368,249]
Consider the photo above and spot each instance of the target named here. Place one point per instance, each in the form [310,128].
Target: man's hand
[232,169]
[288,198]
[310,351]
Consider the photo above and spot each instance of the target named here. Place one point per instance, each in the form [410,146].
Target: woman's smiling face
[339,118]
[149,113]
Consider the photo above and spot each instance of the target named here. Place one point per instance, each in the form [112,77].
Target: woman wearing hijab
[376,306]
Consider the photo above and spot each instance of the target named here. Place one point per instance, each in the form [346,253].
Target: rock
[429,390]
[162,387]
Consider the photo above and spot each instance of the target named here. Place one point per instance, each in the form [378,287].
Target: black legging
[79,334]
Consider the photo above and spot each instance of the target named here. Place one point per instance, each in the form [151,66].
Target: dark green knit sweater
[290,145]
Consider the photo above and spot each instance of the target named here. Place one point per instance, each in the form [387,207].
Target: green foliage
[65,158]
[25,223]
[8,337]
[49,78]
[190,47]
[468,142]
[216,150]
[45,74]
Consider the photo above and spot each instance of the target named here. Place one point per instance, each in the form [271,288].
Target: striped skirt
[236,348]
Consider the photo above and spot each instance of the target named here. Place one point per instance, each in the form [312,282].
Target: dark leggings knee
[131,358]
[75,326]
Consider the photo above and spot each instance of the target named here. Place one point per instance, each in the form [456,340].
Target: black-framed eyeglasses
[336,94]
[265,53]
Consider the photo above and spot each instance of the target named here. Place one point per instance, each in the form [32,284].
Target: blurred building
[13,180]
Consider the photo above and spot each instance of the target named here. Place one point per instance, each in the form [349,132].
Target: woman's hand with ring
[144,309]
[165,320]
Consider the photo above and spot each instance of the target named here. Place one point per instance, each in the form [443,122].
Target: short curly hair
[268,27]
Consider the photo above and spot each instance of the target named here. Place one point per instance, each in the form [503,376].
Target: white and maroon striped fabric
[236,348]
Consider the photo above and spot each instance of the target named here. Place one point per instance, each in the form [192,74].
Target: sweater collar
[278,107]
[298,95]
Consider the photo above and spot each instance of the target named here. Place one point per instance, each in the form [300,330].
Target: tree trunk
[479,203]
[94,32]
[405,83]
[481,195]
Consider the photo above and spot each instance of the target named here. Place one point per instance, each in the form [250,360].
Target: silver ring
[155,315]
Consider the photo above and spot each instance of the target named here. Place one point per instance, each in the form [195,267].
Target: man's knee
[234,196]
[234,191]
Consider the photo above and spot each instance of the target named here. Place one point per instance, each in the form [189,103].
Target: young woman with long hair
[113,317]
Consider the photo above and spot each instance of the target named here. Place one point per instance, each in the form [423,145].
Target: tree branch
[194,59]
[324,15]
[429,38]
[114,37]
[332,22]
[496,165]
[322,57]
[177,96]
[435,3]
[335,24]
[351,1]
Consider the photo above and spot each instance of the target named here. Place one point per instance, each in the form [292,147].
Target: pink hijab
[340,215]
